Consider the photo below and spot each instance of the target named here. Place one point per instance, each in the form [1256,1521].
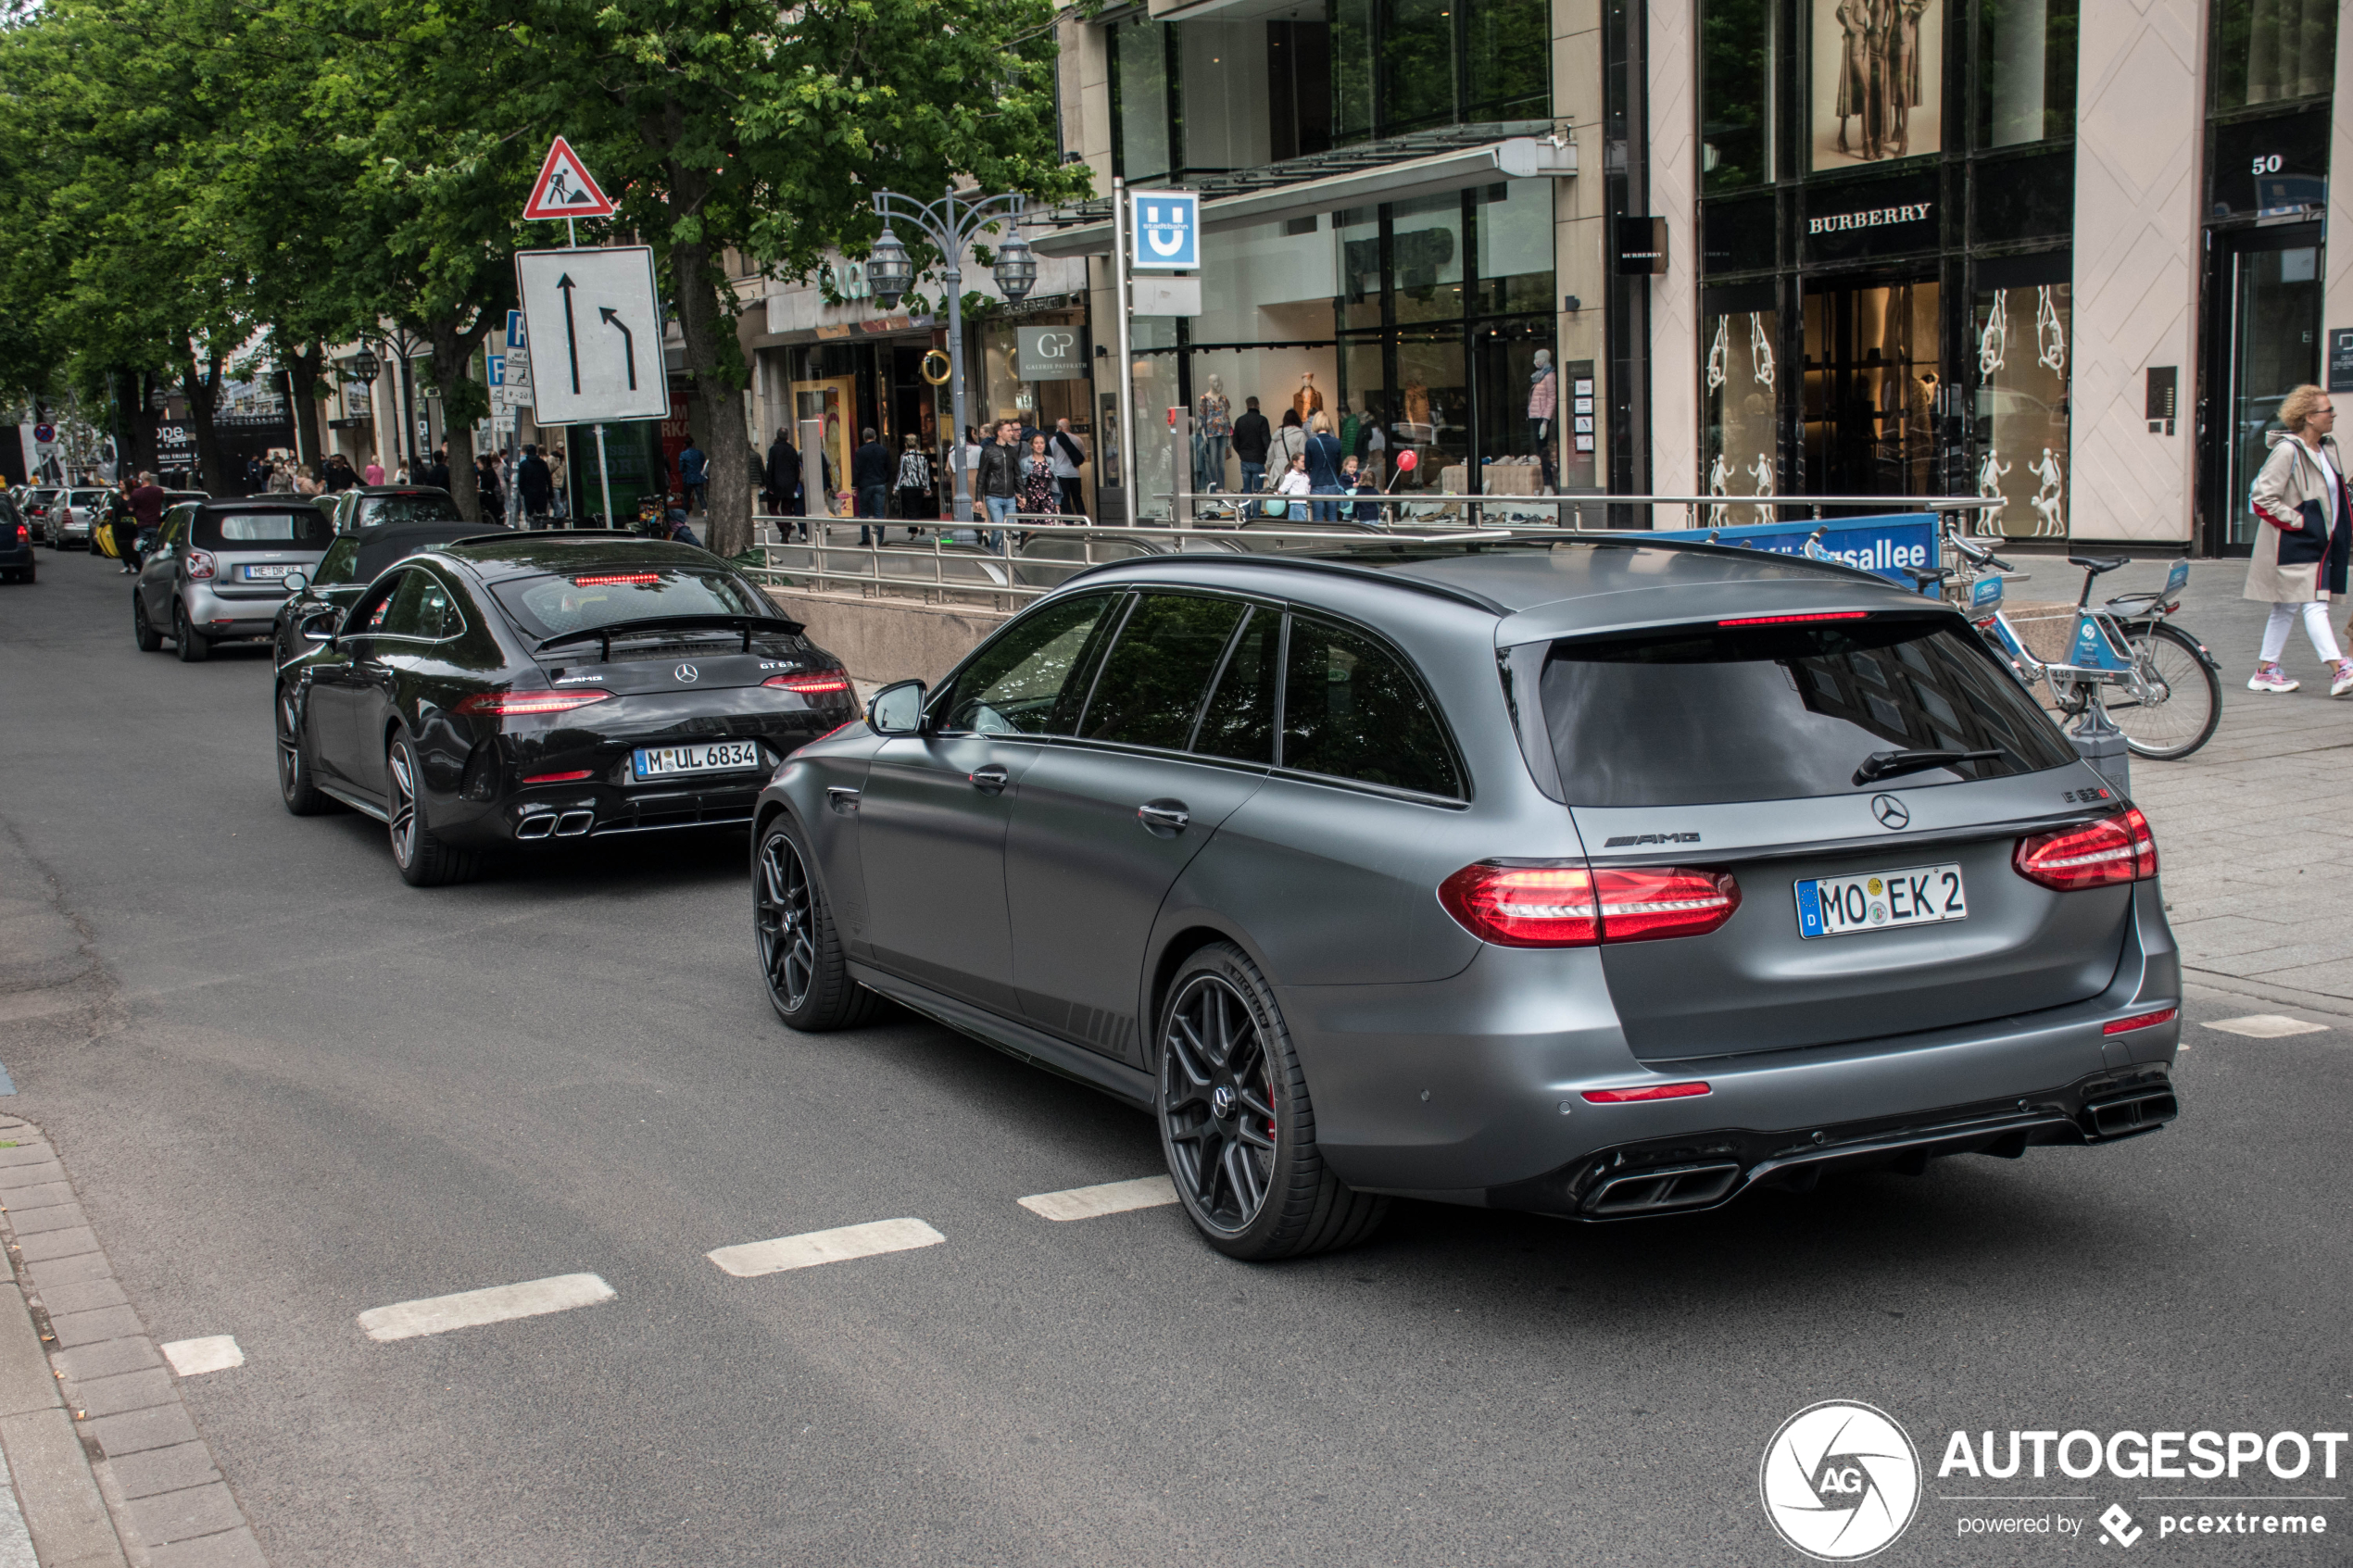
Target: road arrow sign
[584,309]
[564,189]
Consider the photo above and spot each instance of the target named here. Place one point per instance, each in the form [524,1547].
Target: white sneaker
[2344,682]
[2273,680]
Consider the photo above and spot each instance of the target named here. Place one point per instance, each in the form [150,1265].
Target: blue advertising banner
[1881,545]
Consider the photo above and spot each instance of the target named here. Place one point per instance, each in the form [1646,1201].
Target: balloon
[1408,461]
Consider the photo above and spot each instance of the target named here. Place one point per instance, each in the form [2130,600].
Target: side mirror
[319,626]
[896,709]
[295,583]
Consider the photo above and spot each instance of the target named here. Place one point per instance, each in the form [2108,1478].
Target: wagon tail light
[2103,854]
[503,705]
[201,566]
[815,685]
[1571,905]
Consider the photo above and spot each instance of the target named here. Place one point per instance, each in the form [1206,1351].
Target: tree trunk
[463,400]
[707,328]
[303,369]
[204,394]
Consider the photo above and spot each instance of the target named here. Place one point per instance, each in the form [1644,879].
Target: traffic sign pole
[604,481]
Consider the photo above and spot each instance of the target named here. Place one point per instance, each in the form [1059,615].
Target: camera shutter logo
[1839,1480]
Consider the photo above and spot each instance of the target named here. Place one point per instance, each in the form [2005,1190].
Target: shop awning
[1459,169]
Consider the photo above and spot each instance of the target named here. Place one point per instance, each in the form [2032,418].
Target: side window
[1354,710]
[418,608]
[1159,671]
[340,564]
[1012,684]
[1239,719]
[375,612]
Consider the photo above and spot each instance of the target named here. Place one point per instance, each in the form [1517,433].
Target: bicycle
[2157,683]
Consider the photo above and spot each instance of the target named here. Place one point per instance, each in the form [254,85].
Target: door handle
[990,779]
[1163,817]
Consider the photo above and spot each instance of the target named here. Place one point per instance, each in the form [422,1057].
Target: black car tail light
[511,703]
[812,683]
[2103,854]
[1565,904]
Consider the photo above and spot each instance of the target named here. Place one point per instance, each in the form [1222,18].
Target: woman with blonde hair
[2304,533]
[1322,456]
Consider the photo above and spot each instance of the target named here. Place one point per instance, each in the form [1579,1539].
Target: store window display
[1740,384]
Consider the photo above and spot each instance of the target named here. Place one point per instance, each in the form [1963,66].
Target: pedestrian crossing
[751,1260]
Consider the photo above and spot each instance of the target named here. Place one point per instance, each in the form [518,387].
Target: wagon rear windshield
[1705,714]
[297,529]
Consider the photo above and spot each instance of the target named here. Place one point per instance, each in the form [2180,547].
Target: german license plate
[266,574]
[1841,905]
[713,756]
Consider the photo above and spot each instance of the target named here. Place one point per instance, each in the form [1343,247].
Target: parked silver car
[1596,879]
[218,570]
[72,514]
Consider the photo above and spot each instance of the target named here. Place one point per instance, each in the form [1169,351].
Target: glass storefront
[1871,387]
[2273,300]
[1740,387]
[2021,338]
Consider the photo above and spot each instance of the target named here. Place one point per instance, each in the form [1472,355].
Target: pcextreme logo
[1841,1481]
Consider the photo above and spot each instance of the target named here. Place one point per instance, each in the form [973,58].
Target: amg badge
[1629,840]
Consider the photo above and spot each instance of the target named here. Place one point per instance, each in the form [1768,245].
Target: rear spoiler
[749,625]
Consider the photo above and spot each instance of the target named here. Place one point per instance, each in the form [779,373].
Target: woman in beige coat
[2302,542]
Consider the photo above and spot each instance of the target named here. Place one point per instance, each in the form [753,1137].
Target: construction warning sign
[564,189]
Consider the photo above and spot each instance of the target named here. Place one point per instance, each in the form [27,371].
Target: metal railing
[1423,507]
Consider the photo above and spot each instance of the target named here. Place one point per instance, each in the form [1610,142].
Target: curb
[109,1467]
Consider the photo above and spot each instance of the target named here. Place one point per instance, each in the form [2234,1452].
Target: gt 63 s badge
[1839,1480]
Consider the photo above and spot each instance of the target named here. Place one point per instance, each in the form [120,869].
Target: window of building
[1410,65]
[1877,82]
[2022,336]
[1740,387]
[2026,70]
[1740,42]
[1144,117]
[2272,51]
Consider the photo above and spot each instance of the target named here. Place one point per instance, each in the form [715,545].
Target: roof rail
[1308,563]
[533,533]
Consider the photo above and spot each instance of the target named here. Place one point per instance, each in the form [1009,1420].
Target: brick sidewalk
[2257,864]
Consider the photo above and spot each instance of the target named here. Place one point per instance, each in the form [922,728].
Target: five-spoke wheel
[800,955]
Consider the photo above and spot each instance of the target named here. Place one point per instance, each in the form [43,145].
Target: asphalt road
[322,1091]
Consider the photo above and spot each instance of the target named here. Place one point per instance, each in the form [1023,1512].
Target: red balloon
[1406,461]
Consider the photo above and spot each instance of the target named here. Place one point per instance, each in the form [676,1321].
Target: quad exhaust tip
[2140,1113]
[1662,1191]
[572,824]
[539,825]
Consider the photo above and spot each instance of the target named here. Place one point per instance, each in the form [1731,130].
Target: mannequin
[1307,400]
[1543,405]
[1214,429]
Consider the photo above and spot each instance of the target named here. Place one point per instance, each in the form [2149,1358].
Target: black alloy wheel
[424,859]
[302,797]
[193,648]
[801,957]
[1235,1120]
[142,631]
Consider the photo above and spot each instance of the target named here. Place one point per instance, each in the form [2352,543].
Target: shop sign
[1167,231]
[1050,354]
[2341,358]
[2272,168]
[1838,222]
[1884,217]
[1642,247]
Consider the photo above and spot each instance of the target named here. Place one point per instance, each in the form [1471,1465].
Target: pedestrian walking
[1357,480]
[691,482]
[374,472]
[560,482]
[486,487]
[870,472]
[281,480]
[1039,493]
[536,485]
[1296,485]
[2299,556]
[1250,438]
[1323,455]
[145,505]
[306,483]
[999,480]
[784,482]
[1068,457]
[916,500]
[1289,441]
[438,469]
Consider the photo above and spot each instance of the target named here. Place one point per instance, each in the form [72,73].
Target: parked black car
[513,688]
[366,507]
[16,545]
[352,562]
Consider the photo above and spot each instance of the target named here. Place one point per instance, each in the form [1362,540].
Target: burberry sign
[1872,218]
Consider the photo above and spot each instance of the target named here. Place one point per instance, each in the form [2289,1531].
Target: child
[1295,482]
[1356,481]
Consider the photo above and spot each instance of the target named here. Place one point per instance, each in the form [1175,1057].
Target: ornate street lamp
[949,225]
[365,366]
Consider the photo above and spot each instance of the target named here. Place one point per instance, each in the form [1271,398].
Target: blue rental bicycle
[2158,683]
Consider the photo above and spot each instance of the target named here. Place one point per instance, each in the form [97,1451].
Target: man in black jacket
[999,479]
[1252,438]
[870,470]
[784,477]
[536,485]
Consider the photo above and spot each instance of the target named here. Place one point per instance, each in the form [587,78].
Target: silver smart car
[1598,878]
[217,572]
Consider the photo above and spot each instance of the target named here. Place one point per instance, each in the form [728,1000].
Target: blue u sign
[1167,225]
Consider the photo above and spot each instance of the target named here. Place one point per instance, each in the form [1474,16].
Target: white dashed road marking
[1112,1198]
[215,1352]
[2267,1026]
[756,1257]
[470,1309]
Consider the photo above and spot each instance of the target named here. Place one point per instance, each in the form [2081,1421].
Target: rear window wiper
[1887,764]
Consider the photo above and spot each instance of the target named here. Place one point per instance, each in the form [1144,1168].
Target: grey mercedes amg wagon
[1603,878]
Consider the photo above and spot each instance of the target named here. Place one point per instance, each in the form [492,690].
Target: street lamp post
[949,224]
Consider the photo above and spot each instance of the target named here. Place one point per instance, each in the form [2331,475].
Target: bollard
[2100,742]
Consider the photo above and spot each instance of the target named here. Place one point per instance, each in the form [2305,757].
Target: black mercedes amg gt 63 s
[513,689]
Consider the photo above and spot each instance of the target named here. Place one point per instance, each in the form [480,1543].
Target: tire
[792,923]
[302,797]
[192,648]
[1226,1069]
[2185,717]
[424,861]
[142,631]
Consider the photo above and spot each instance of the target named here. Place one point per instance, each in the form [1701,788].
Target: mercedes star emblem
[1891,812]
[688,673]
